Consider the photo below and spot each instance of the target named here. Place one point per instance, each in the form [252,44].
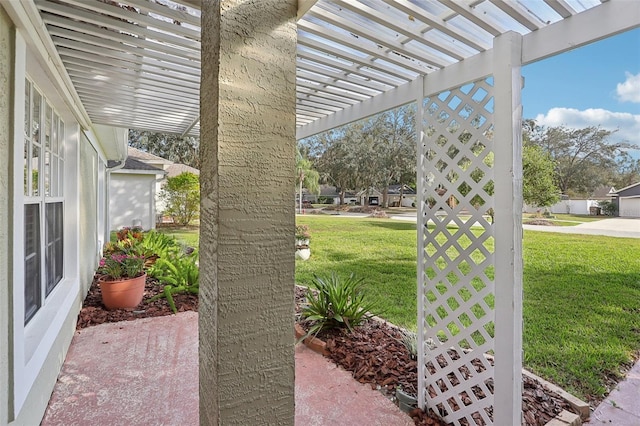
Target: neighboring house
[628,200]
[170,169]
[329,195]
[133,194]
[408,196]
[375,196]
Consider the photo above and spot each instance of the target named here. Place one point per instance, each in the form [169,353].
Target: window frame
[44,188]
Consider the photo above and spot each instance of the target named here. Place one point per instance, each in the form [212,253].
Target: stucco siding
[131,198]
[6,79]
[247,181]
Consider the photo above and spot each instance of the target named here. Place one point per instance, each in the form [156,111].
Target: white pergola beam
[94,12]
[357,44]
[329,61]
[369,61]
[81,31]
[369,34]
[436,23]
[514,10]
[605,20]
[343,76]
[385,101]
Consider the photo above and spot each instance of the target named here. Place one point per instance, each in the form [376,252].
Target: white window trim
[32,343]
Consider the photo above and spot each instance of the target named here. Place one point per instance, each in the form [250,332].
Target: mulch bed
[540,222]
[93,311]
[374,353]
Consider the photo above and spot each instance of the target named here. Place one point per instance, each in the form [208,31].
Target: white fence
[566,207]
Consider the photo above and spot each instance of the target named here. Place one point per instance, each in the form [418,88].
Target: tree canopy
[183,150]
[181,195]
[375,152]
[584,159]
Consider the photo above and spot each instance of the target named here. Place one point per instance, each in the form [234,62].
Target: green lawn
[581,293]
[186,235]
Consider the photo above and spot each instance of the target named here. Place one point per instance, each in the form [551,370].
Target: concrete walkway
[622,406]
[145,373]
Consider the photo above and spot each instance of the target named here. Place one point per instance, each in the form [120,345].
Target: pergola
[145,64]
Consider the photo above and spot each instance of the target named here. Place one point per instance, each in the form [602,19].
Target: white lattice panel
[458,261]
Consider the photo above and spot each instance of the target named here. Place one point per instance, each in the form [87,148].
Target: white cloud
[629,91]
[628,124]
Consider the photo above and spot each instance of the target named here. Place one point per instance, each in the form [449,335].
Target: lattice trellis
[458,246]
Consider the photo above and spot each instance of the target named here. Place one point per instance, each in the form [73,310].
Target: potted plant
[122,280]
[302,242]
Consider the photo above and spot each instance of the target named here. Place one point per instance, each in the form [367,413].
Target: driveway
[614,227]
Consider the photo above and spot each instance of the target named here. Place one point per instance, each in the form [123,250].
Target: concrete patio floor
[145,372]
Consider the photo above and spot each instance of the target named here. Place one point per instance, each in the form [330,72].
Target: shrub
[336,303]
[609,208]
[179,274]
[182,197]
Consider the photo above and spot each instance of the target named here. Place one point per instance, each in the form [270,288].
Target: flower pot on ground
[124,293]
[122,281]
[406,401]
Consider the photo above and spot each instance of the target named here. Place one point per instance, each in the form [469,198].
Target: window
[44,202]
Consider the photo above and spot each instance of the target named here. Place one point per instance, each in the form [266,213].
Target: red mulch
[374,353]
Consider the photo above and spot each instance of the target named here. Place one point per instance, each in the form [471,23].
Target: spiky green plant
[336,303]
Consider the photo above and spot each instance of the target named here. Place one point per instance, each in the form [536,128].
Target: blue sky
[598,84]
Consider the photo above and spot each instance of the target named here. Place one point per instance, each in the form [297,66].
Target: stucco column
[247,212]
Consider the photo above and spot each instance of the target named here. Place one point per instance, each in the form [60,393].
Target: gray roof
[145,156]
[133,164]
[176,168]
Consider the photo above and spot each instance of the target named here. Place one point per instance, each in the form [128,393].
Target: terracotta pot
[122,294]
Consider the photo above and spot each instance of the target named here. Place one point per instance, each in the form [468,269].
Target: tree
[373,152]
[582,157]
[183,150]
[306,176]
[538,185]
[181,195]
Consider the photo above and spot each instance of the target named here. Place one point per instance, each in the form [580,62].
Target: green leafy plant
[179,275]
[336,303]
[154,246]
[609,208]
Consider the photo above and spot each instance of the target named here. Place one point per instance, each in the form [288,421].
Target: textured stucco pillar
[247,217]
[6,115]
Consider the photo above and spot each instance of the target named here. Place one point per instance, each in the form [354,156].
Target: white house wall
[132,198]
[31,355]
[89,227]
[6,81]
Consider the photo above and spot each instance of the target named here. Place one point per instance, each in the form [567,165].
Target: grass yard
[581,293]
[187,235]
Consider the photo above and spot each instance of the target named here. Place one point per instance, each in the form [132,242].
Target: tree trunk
[341,193]
[401,194]
[385,197]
